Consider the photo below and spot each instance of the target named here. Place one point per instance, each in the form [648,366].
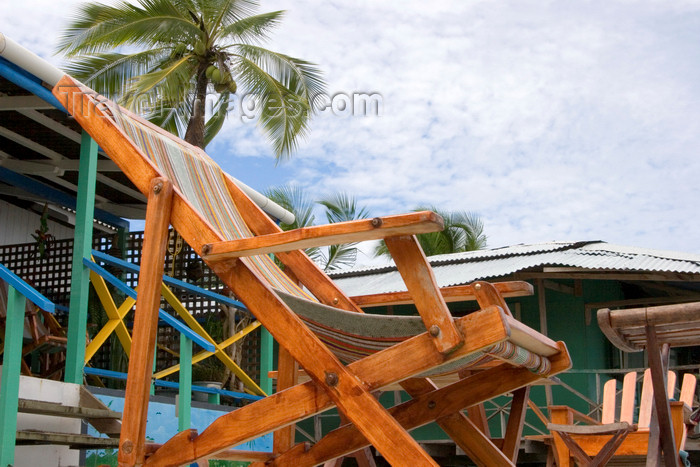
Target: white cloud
[556,120]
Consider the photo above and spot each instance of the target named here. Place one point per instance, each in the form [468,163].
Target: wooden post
[133,434]
[287,376]
[420,281]
[661,404]
[266,350]
[516,422]
[185,392]
[541,297]
[9,386]
[80,275]
[152,389]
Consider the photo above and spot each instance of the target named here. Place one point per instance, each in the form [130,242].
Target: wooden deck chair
[597,443]
[42,334]
[347,353]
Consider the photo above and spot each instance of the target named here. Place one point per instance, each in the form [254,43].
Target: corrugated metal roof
[462,268]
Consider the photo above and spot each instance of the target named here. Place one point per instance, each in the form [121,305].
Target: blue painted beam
[169,320]
[55,196]
[28,81]
[171,384]
[125,265]
[27,290]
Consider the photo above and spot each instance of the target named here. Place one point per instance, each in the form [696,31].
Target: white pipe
[266,204]
[29,61]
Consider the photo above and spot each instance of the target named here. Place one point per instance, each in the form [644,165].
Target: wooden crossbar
[324,235]
[457,293]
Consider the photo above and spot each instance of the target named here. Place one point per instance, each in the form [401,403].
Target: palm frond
[339,257]
[342,207]
[172,79]
[299,76]
[97,27]
[283,115]
[251,29]
[222,12]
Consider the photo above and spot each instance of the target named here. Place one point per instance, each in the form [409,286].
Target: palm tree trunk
[195,127]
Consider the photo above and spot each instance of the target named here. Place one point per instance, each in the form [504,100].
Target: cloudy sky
[552,120]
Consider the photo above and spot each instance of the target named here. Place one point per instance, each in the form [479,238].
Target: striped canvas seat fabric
[352,336]
[202,183]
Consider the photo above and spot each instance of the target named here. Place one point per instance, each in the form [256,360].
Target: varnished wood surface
[376,371]
[422,286]
[421,410]
[133,434]
[349,392]
[456,293]
[677,325]
[330,234]
[471,438]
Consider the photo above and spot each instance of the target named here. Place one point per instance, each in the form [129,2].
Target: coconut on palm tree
[464,231]
[168,54]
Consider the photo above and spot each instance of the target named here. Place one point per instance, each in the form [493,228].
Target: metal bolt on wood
[206,249]
[157,188]
[477,287]
[332,379]
[431,405]
[377,222]
[128,446]
[434,330]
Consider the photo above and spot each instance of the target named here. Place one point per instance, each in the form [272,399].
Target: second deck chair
[594,444]
[347,353]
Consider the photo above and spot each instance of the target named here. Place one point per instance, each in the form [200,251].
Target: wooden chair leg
[561,416]
[516,422]
[575,449]
[425,292]
[364,458]
[461,429]
[609,449]
[133,432]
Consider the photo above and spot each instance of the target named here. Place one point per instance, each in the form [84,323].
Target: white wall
[48,391]
[17,225]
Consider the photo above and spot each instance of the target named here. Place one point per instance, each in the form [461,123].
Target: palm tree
[339,207]
[169,53]
[464,231]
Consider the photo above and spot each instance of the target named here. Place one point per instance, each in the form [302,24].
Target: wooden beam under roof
[29,144]
[51,124]
[121,187]
[35,166]
[23,102]
[127,211]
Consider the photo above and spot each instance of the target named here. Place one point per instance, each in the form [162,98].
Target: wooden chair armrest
[574,414]
[591,429]
[323,235]
[686,409]
[457,293]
